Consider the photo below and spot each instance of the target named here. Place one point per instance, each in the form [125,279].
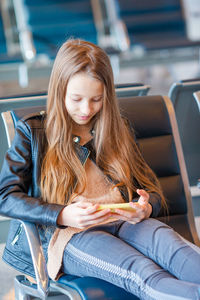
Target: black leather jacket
[20,196]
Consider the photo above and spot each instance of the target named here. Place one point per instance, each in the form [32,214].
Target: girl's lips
[84,117]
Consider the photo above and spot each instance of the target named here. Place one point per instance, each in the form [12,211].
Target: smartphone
[125,206]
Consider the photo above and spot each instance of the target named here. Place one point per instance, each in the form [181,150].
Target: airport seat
[136,30]
[154,121]
[147,21]
[188,119]
[59,20]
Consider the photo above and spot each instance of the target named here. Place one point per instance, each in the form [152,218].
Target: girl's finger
[86,205]
[98,220]
[143,194]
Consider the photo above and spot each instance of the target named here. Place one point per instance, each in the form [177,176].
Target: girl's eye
[97,99]
[76,99]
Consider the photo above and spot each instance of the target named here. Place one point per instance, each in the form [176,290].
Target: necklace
[77,138]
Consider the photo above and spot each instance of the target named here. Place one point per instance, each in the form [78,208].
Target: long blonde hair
[116,150]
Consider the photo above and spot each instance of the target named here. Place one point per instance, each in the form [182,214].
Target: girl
[63,165]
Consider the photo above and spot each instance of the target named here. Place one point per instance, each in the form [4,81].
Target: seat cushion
[95,289]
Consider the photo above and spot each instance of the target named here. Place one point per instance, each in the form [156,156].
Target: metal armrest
[22,286]
[197,98]
[24,289]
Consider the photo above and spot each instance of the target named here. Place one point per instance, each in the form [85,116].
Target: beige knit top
[98,190]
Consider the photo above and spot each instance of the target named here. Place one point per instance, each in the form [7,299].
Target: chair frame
[175,88]
[197,98]
[173,92]
[183,169]
[131,91]
[44,286]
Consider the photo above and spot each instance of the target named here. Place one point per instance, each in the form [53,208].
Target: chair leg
[20,294]
[25,291]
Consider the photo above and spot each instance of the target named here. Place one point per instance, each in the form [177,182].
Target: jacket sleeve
[155,201]
[16,199]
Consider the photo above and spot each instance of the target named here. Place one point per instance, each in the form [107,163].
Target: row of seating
[153,118]
[147,22]
[40,27]
[59,21]
[137,27]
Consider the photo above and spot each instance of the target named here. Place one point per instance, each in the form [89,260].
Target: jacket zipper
[16,237]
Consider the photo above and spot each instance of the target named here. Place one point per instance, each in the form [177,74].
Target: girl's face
[84,98]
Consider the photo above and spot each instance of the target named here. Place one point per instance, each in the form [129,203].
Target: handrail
[25,35]
[9,24]
[118,27]
[41,290]
[111,29]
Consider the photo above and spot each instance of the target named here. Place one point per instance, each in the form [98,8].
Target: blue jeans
[147,259]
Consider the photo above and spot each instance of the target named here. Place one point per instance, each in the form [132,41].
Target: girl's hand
[143,209]
[82,214]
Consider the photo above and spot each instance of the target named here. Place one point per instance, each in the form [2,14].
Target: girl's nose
[85,108]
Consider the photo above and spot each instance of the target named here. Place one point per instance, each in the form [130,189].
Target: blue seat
[156,130]
[59,21]
[147,22]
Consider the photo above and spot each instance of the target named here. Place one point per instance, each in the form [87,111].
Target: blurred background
[155,43]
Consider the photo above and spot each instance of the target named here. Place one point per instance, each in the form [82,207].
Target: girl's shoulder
[29,125]
[31,128]
[35,119]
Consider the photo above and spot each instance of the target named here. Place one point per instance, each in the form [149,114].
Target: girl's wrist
[149,210]
[60,220]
